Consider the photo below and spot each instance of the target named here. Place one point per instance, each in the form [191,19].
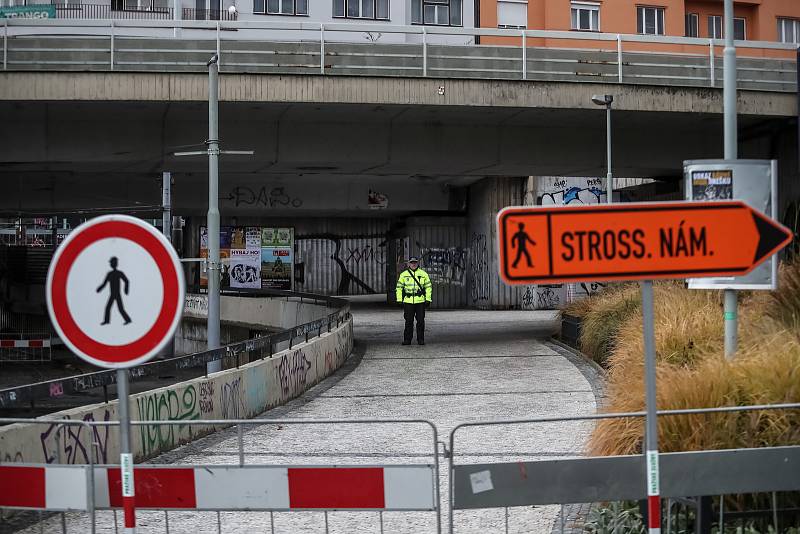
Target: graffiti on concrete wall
[342,264]
[168,405]
[335,358]
[207,398]
[444,265]
[293,372]
[72,444]
[232,399]
[562,192]
[479,268]
[264,197]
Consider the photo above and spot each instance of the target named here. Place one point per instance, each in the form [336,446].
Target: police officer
[414,293]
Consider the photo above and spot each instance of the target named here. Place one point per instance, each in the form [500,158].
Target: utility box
[752,181]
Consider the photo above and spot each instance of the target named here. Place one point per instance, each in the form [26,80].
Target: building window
[650,20]
[281,7]
[789,30]
[512,14]
[692,25]
[739,29]
[715,27]
[361,9]
[585,16]
[436,12]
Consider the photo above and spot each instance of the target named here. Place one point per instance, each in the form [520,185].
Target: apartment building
[755,20]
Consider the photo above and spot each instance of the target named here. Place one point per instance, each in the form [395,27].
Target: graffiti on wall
[264,197]
[72,444]
[562,193]
[359,261]
[444,265]
[791,219]
[166,405]
[207,398]
[479,268]
[293,372]
[335,358]
[232,399]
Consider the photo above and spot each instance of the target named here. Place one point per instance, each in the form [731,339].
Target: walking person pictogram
[520,242]
[113,279]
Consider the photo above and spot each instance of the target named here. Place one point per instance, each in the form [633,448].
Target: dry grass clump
[785,303]
[693,373]
[609,311]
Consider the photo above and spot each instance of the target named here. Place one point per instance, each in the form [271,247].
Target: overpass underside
[366,169]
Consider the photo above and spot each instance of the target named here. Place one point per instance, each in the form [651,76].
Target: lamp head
[603,100]
[232,10]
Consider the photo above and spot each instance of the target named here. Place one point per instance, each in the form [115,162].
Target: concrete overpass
[447,150]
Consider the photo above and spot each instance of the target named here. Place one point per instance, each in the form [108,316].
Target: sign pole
[125,456]
[214,267]
[731,304]
[651,449]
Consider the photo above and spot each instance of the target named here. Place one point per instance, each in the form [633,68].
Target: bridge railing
[389,50]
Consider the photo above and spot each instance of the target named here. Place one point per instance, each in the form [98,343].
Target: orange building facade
[755,20]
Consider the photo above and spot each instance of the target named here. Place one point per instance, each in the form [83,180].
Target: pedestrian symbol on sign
[520,242]
[113,279]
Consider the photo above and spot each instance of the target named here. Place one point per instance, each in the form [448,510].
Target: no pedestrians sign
[115,291]
[635,241]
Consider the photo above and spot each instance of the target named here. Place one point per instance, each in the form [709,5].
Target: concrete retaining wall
[277,313]
[231,394]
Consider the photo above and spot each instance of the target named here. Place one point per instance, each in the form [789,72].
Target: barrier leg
[272,523]
[166,521]
[380,517]
[219,523]
[506,511]
[326,523]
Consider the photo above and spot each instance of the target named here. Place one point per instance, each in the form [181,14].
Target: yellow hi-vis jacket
[409,292]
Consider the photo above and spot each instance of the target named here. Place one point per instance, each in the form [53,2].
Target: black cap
[413,258]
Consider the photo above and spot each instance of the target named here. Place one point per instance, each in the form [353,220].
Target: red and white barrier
[24,343]
[58,488]
[389,488]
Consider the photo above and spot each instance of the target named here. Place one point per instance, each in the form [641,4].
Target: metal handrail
[29,393]
[391,28]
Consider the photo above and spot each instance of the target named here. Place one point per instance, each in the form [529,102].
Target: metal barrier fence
[27,347]
[390,50]
[241,486]
[572,480]
[263,347]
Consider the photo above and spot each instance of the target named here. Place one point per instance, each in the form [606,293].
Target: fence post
[524,55]
[619,58]
[112,44]
[321,48]
[711,61]
[424,52]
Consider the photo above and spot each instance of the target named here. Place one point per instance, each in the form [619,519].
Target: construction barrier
[570,480]
[401,487]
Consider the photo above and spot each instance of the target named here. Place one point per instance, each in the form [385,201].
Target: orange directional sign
[634,241]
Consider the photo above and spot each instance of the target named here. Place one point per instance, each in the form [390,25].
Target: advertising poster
[276,268]
[225,235]
[245,269]
[253,238]
[712,185]
[277,237]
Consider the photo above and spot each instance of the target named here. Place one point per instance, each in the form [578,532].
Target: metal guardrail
[30,393]
[308,48]
[615,478]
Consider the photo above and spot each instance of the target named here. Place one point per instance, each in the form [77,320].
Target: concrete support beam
[172,87]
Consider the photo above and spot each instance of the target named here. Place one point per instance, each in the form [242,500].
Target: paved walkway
[477,365]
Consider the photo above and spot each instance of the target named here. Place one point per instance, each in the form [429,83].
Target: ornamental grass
[692,371]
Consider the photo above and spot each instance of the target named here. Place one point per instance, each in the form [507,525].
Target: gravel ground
[477,365]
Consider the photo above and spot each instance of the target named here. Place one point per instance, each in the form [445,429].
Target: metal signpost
[115,293]
[643,241]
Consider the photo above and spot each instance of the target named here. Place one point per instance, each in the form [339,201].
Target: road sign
[115,291]
[634,241]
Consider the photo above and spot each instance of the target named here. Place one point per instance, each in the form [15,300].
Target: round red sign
[115,291]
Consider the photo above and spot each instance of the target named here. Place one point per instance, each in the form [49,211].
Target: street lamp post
[213,212]
[607,100]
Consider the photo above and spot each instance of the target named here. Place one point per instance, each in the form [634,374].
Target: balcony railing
[207,14]
[119,11]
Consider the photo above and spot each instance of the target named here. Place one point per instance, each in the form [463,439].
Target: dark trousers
[410,311]
[111,301]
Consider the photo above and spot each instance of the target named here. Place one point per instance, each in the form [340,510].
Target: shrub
[610,310]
